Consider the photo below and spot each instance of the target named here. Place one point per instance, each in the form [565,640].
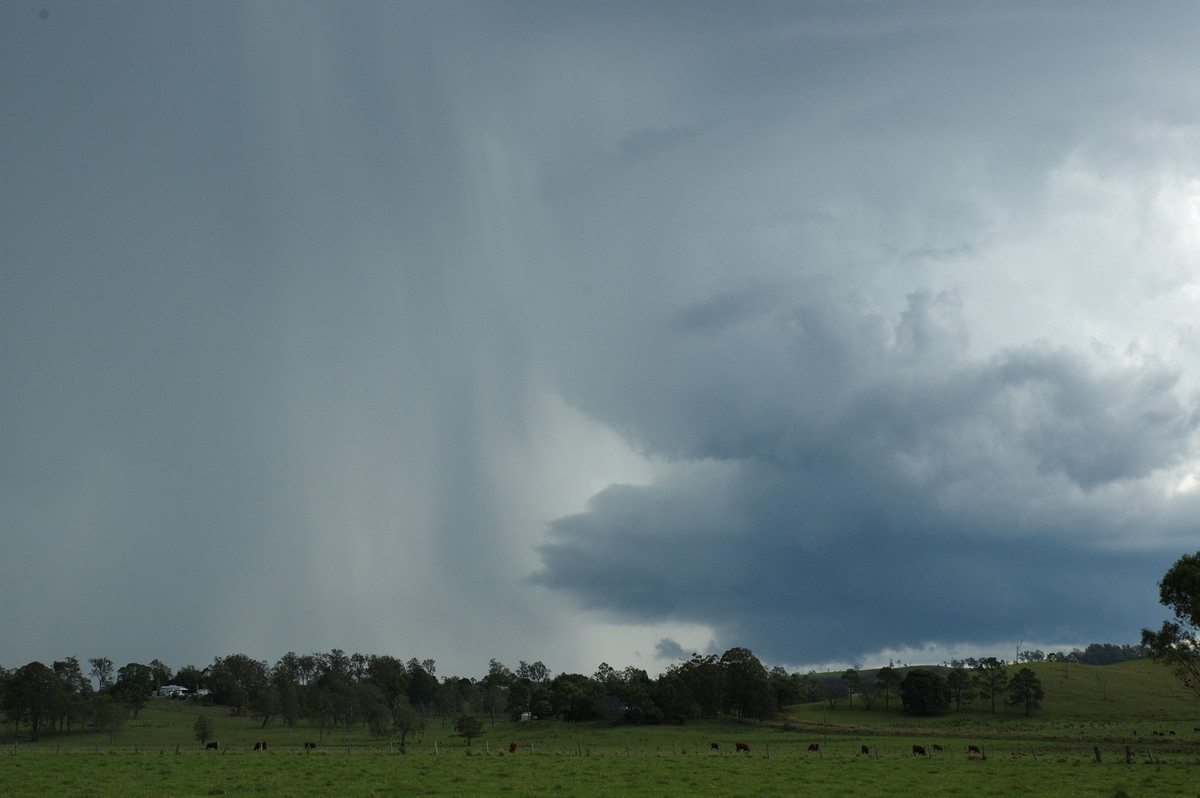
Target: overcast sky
[595,331]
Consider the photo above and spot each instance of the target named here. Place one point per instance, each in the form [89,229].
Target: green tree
[109,714]
[33,694]
[78,689]
[162,673]
[888,679]
[205,728]
[924,692]
[468,726]
[1177,644]
[102,671]
[853,678]
[673,699]
[959,681]
[705,681]
[134,685]
[748,692]
[1025,690]
[406,720]
[991,677]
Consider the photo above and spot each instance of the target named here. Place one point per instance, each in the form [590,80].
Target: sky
[587,332]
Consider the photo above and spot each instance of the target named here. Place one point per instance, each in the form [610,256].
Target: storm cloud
[578,332]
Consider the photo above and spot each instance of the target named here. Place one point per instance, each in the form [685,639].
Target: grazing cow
[937,747]
[261,745]
[742,747]
[715,746]
[512,748]
[974,749]
[212,747]
[919,750]
[310,746]
[814,747]
[866,750]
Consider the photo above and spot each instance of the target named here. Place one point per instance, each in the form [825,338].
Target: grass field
[1053,753]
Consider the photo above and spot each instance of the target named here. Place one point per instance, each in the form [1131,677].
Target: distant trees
[1177,643]
[33,694]
[387,696]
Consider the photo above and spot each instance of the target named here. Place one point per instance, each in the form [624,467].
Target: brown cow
[866,750]
[814,747]
[261,745]
[937,747]
[715,746]
[512,748]
[310,746]
[919,750]
[973,749]
[212,747]
[742,747]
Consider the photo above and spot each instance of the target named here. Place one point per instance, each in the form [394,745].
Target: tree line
[391,697]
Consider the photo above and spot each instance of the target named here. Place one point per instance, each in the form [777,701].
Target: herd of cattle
[917,750]
[260,745]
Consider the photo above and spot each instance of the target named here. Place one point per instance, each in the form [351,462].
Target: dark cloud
[907,494]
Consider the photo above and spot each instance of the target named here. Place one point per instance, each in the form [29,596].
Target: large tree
[991,677]
[1025,690]
[1177,643]
[134,685]
[888,679]
[748,692]
[924,692]
[102,672]
[959,681]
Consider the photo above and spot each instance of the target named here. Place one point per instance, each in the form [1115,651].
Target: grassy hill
[1128,700]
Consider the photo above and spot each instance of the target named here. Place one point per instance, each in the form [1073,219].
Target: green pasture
[1088,709]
